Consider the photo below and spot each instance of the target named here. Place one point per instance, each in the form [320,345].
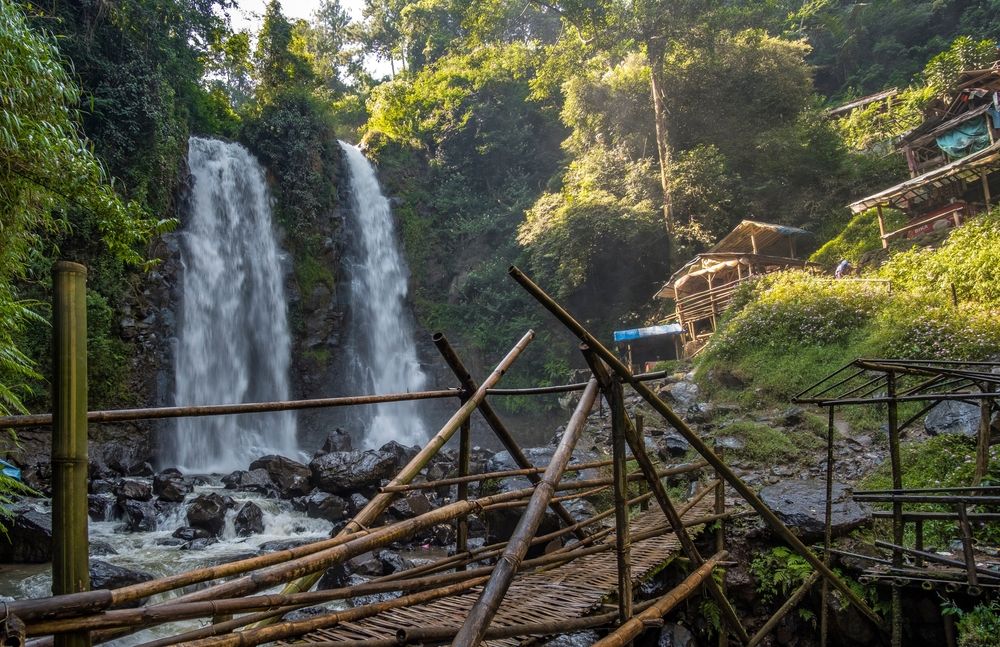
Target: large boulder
[249,520]
[108,576]
[337,440]
[401,453]
[412,505]
[127,489]
[139,516]
[801,505]
[952,417]
[169,485]
[323,505]
[257,481]
[28,539]
[208,512]
[290,477]
[349,472]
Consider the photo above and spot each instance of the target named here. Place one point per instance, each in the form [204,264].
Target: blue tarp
[965,139]
[9,470]
[652,331]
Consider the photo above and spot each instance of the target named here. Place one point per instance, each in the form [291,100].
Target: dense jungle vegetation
[596,143]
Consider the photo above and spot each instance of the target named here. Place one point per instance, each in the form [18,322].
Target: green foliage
[978,627]
[763,444]
[859,237]
[943,461]
[779,572]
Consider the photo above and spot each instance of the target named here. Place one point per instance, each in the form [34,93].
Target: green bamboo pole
[70,565]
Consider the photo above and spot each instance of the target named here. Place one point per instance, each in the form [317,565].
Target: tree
[281,61]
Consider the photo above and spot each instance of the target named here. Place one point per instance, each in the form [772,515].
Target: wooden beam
[881,227]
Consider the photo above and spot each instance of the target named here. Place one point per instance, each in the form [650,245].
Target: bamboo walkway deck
[572,590]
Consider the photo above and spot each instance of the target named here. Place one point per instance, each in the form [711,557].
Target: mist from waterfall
[233,338]
[383,351]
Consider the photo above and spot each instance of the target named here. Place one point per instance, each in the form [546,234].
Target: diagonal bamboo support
[488,604]
[696,442]
[493,420]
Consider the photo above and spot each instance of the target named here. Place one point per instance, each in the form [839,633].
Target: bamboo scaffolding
[493,420]
[486,476]
[508,564]
[695,441]
[638,623]
[660,494]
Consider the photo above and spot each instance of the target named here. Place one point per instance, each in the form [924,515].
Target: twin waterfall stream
[234,345]
[234,342]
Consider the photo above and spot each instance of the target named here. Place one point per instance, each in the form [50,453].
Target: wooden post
[881,227]
[753,243]
[464,459]
[918,540]
[897,507]
[789,604]
[986,188]
[827,531]
[70,560]
[616,400]
[968,554]
[983,440]
[720,530]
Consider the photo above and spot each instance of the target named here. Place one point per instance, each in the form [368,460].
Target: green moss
[860,236]
[765,444]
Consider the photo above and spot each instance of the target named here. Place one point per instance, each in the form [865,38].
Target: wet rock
[675,635]
[393,562]
[100,506]
[502,522]
[791,417]
[127,489]
[337,440]
[282,544]
[102,486]
[249,520]
[109,576]
[169,485]
[674,445]
[442,534]
[290,477]
[28,539]
[581,639]
[335,577]
[412,505]
[200,544]
[208,511]
[187,533]
[951,417]
[684,394]
[356,502]
[257,481]
[323,505]
[367,564]
[98,548]
[801,505]
[349,472]
[538,457]
[139,516]
[400,453]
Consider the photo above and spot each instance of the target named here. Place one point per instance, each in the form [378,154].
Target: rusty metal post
[616,400]
[897,507]
[70,561]
[824,612]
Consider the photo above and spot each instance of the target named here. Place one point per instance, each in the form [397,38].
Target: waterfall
[383,351]
[233,332]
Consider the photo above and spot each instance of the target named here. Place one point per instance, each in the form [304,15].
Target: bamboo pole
[695,441]
[507,566]
[70,560]
[380,502]
[789,604]
[983,440]
[635,626]
[493,420]
[486,476]
[616,400]
[824,612]
[660,493]
[897,507]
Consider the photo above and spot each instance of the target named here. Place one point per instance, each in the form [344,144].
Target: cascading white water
[385,353]
[233,332]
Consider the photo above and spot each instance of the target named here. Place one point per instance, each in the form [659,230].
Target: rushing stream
[233,333]
[383,353]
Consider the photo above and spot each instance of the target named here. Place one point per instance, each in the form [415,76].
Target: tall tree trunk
[654,55]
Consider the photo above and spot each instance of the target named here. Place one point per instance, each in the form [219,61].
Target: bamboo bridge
[490,595]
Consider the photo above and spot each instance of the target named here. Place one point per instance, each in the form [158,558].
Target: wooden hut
[953,157]
[704,286]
